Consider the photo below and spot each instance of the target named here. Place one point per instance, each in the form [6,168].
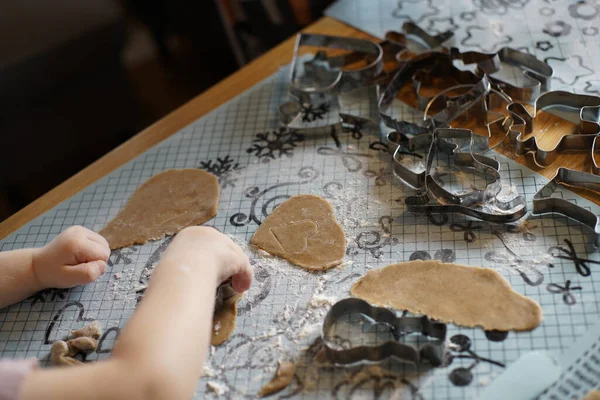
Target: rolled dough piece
[283,377]
[304,231]
[224,320]
[463,295]
[164,205]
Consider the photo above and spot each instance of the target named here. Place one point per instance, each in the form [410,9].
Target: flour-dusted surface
[259,166]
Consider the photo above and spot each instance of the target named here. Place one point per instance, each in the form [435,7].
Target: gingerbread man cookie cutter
[587,110]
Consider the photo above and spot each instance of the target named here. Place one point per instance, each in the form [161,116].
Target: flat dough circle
[304,231]
[164,205]
[467,296]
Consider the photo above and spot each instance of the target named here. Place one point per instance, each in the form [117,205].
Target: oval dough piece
[463,295]
[224,320]
[304,231]
[164,205]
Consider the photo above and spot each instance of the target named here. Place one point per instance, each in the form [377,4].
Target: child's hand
[75,257]
[198,242]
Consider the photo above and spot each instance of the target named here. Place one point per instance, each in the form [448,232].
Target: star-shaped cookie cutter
[432,351]
[544,203]
[478,203]
[587,108]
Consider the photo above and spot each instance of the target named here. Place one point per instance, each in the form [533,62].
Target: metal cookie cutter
[588,114]
[543,203]
[453,107]
[324,74]
[415,40]
[431,351]
[481,112]
[478,203]
[536,74]
[410,137]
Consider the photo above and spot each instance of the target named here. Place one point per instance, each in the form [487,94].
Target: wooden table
[225,90]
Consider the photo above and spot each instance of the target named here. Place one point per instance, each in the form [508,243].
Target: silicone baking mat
[259,165]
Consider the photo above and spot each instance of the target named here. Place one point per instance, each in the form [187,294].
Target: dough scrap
[593,394]
[164,205]
[224,320]
[466,296]
[82,345]
[59,355]
[92,330]
[283,377]
[304,231]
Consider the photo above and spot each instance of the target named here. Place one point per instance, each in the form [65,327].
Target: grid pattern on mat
[259,166]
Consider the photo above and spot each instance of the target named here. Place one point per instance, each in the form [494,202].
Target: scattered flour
[208,371]
[218,388]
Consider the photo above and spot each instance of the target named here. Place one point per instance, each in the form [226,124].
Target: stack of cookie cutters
[432,351]
[483,203]
[544,203]
[322,78]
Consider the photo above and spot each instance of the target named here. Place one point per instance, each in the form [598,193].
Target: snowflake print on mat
[224,169]
[275,144]
[51,294]
[311,113]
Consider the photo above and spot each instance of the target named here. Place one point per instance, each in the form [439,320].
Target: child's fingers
[91,251]
[242,280]
[95,237]
[86,272]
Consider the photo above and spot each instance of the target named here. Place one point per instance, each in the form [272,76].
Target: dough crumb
[59,355]
[283,377]
[320,300]
[93,330]
[593,394]
[218,388]
[82,345]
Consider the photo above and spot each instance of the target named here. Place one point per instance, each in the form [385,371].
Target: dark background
[77,78]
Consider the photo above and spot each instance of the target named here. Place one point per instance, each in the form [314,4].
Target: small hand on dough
[75,257]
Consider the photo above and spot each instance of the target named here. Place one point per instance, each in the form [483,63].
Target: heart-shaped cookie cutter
[432,351]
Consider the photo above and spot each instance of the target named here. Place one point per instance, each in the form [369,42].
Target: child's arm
[161,351]
[75,257]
